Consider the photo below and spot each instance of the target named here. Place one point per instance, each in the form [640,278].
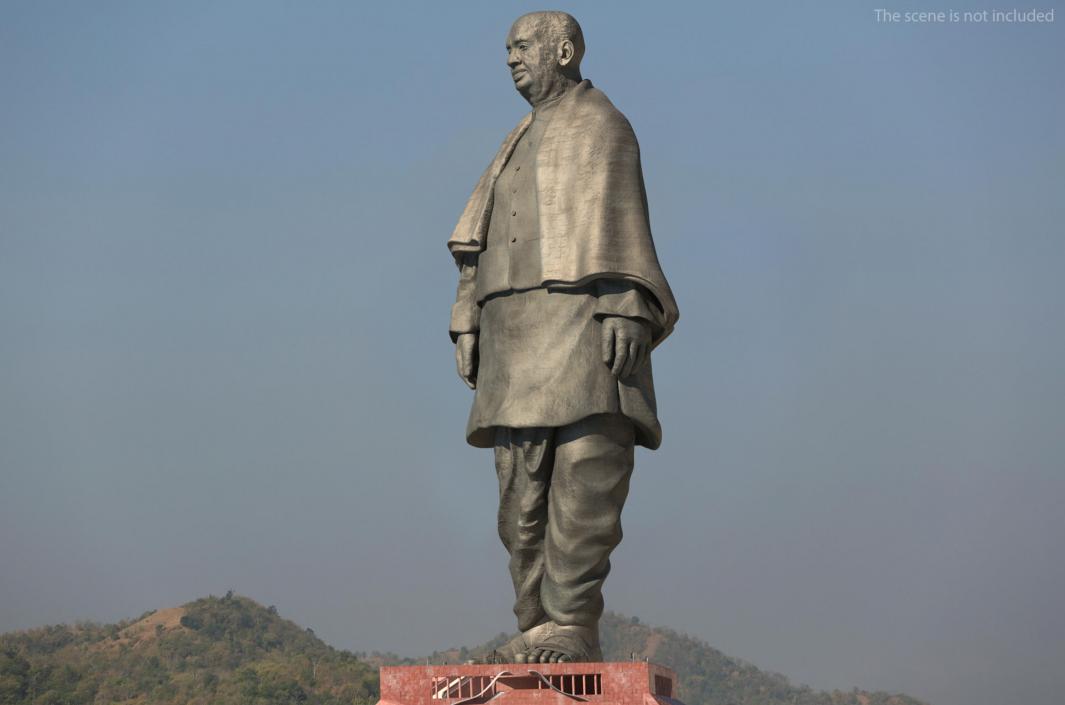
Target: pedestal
[618,683]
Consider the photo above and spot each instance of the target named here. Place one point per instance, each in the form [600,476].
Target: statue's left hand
[626,344]
[466,358]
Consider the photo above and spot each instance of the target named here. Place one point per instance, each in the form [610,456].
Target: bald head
[544,52]
[558,27]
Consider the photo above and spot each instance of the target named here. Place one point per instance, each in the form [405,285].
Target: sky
[224,297]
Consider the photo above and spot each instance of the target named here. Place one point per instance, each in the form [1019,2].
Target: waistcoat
[511,259]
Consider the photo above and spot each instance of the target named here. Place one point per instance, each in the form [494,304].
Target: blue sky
[224,359]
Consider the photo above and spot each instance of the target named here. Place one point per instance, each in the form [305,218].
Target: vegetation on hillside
[214,651]
[708,676]
[232,651]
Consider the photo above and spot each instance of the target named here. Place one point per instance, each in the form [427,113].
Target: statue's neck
[545,106]
[554,93]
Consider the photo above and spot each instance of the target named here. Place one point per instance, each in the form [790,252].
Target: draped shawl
[591,201]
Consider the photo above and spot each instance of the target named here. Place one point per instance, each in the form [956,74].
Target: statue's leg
[590,481]
[524,459]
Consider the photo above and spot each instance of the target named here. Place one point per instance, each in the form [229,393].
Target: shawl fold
[591,201]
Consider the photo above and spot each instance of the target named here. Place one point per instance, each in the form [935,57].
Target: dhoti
[561,491]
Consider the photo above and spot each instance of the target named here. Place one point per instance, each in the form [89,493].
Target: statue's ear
[566,51]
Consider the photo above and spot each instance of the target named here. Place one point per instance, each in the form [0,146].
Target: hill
[222,650]
[213,651]
[709,676]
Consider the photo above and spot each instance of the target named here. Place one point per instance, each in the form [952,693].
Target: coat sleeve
[465,312]
[618,297]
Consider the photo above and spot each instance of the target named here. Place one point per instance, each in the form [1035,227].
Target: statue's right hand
[466,358]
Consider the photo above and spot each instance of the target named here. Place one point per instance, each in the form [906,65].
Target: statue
[560,302]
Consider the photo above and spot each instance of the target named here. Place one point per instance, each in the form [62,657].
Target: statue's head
[544,51]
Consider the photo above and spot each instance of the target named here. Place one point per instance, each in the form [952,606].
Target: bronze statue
[560,301]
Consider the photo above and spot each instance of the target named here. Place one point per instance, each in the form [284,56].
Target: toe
[545,656]
[563,658]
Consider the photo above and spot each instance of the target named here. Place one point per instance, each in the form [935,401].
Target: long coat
[591,243]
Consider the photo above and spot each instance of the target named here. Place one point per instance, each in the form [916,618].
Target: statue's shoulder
[591,110]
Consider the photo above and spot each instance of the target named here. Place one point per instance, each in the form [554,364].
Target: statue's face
[533,61]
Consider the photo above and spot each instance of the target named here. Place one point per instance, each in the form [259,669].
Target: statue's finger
[630,361]
[637,357]
[641,358]
[608,344]
[621,354]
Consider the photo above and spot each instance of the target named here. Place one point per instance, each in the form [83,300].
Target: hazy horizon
[224,295]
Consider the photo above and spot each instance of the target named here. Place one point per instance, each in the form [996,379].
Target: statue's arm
[621,297]
[466,320]
[631,319]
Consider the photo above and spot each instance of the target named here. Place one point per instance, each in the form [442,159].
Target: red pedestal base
[634,683]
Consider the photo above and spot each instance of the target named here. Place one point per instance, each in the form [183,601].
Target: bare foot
[562,644]
[514,650]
